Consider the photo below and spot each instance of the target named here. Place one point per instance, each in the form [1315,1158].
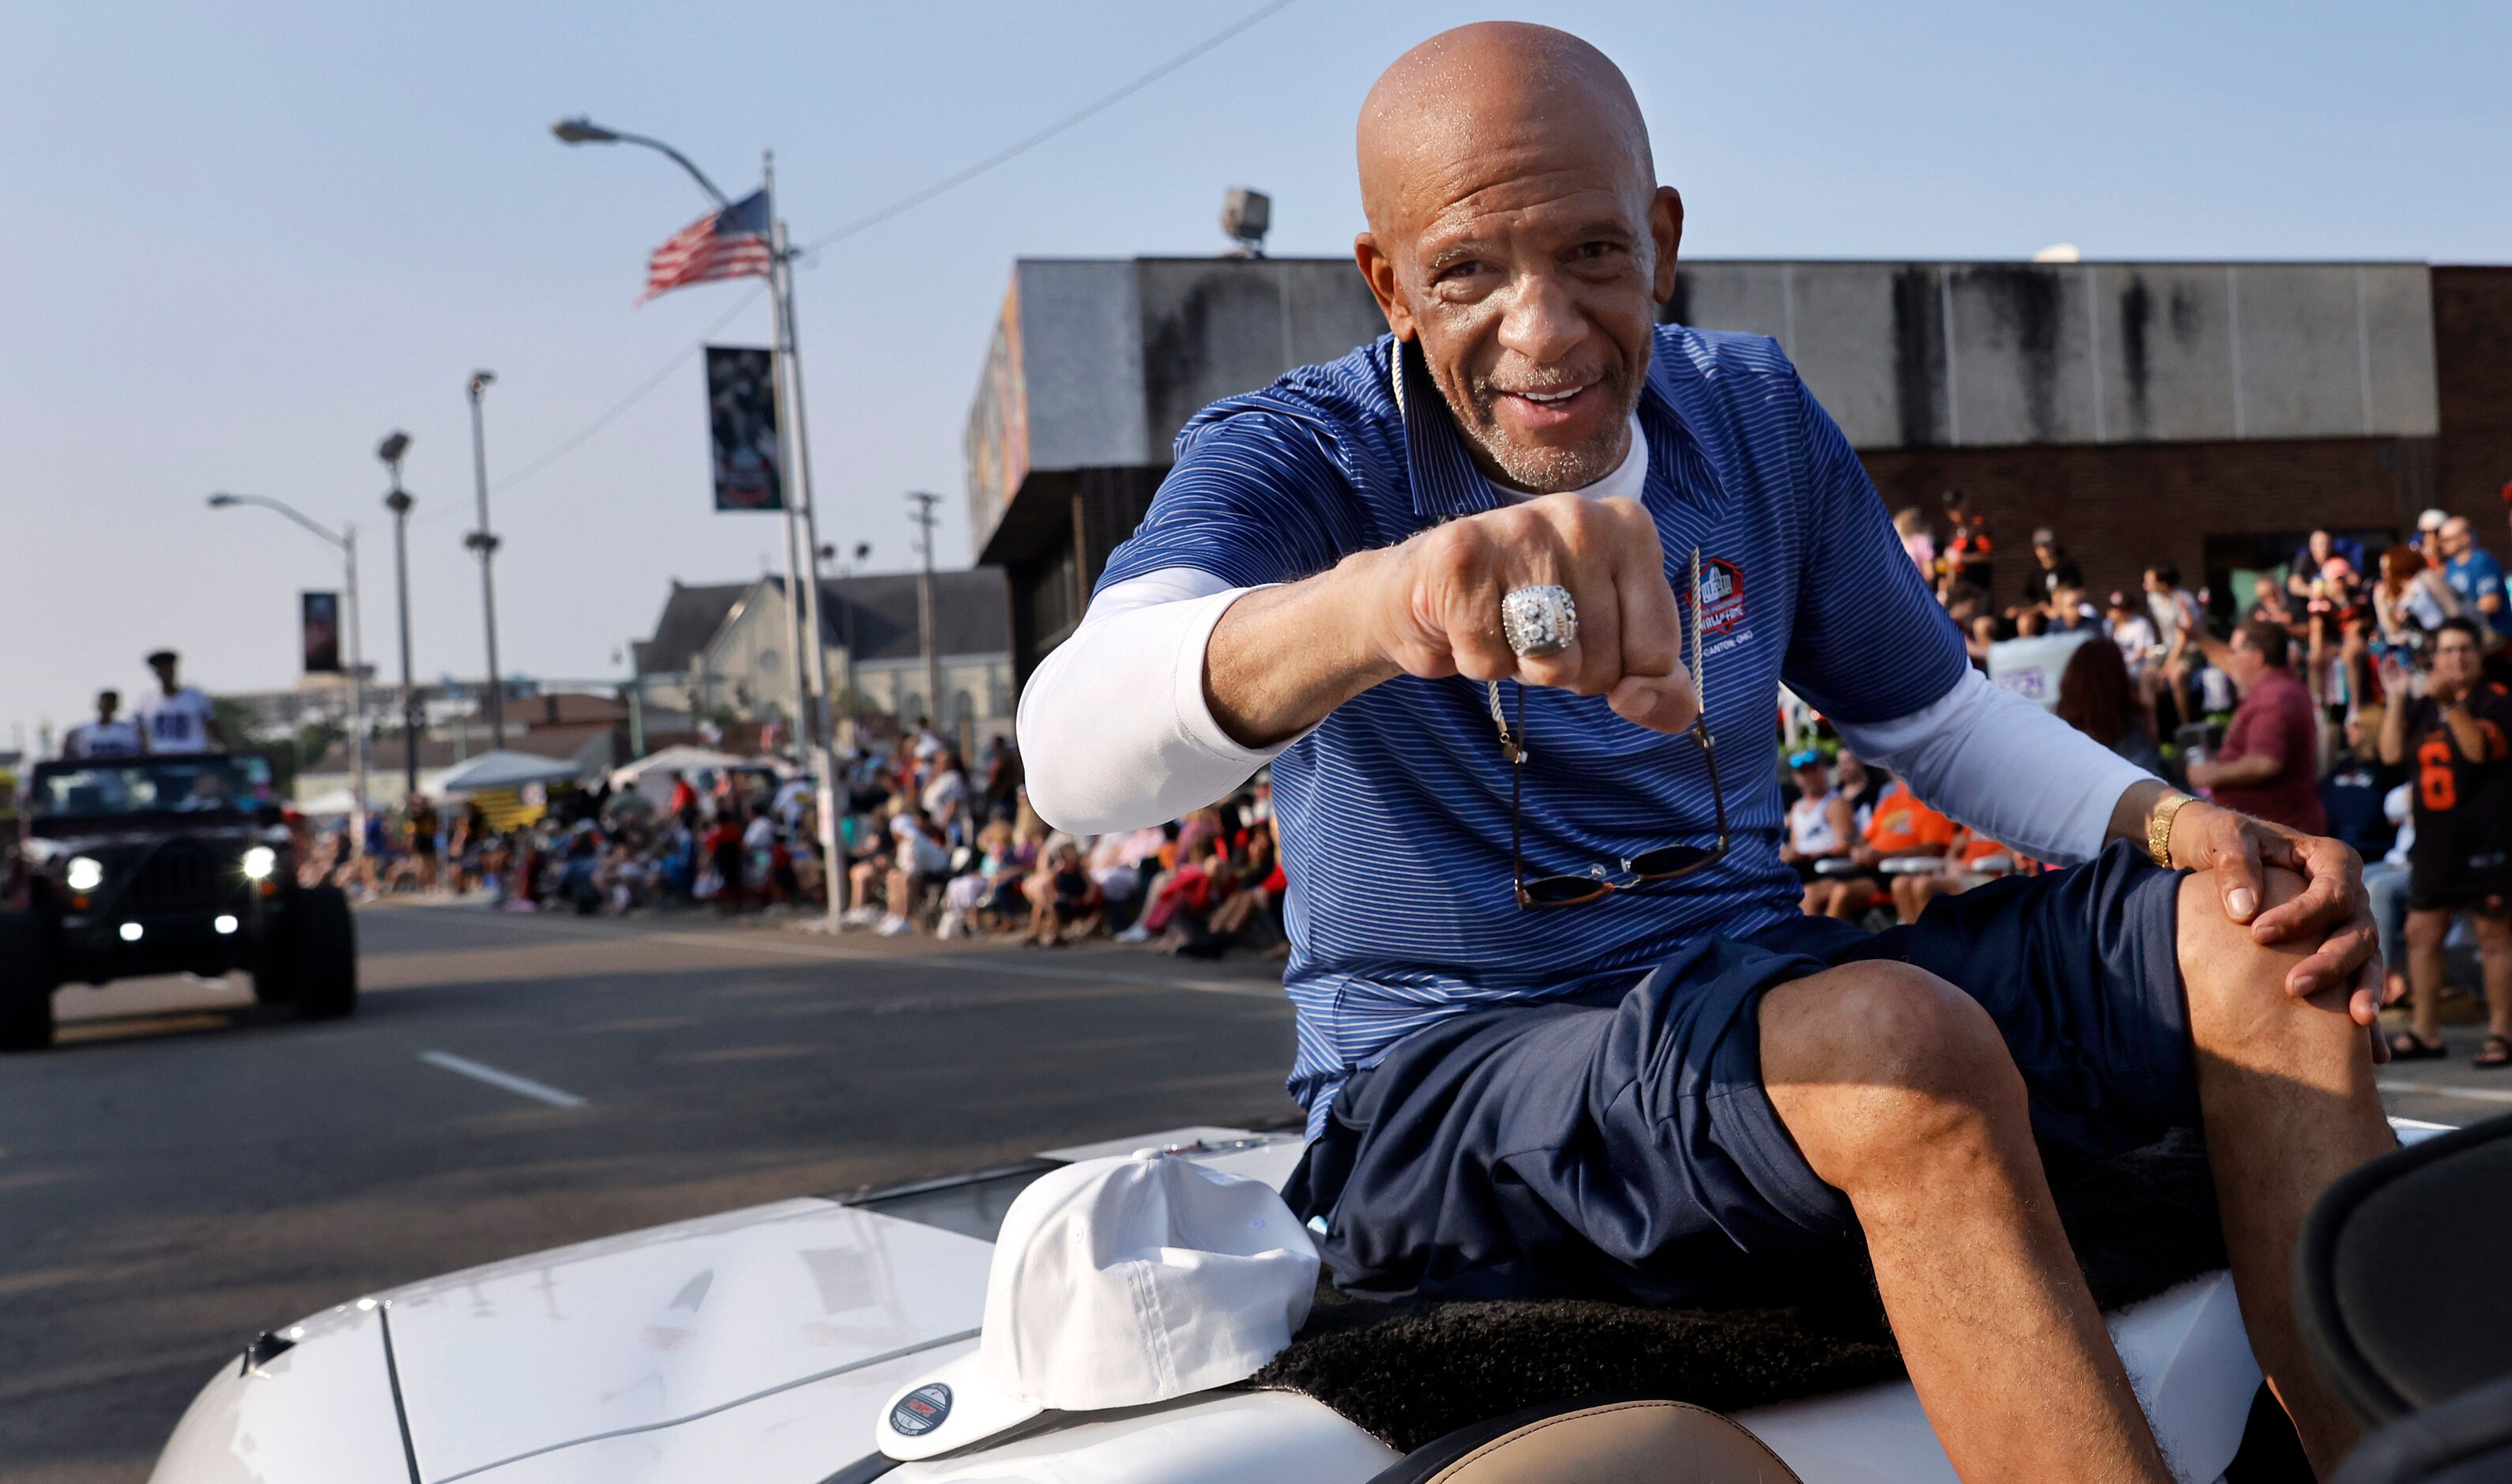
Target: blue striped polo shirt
[1393,812]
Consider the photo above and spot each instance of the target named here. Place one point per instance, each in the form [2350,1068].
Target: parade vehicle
[164,865]
[781,1344]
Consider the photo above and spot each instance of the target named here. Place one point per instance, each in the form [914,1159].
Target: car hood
[634,1334]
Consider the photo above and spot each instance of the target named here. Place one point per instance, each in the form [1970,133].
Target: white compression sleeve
[1115,731]
[2001,764]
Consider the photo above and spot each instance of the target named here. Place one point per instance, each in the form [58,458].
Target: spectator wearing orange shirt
[1969,860]
[1902,826]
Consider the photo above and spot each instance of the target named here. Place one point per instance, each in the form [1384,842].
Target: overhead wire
[1027,143]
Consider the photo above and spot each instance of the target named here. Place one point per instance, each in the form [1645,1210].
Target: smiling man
[1562,1029]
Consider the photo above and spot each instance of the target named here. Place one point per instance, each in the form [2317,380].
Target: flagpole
[820,726]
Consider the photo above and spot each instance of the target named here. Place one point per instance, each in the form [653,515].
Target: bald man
[1505,599]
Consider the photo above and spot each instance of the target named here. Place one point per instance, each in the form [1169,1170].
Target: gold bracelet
[2158,827]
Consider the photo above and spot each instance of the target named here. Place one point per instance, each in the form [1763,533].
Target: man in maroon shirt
[2269,765]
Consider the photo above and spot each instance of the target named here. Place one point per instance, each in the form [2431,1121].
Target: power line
[619,408]
[1023,145]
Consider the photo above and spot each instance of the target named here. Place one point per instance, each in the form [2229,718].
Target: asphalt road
[186,1169]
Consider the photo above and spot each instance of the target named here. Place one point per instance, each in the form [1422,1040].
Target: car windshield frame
[148,787]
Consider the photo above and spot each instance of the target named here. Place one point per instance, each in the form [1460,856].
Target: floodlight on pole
[398,501]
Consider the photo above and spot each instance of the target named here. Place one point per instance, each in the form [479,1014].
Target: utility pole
[486,544]
[924,518]
[390,450]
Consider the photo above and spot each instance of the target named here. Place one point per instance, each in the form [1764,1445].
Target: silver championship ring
[1538,620]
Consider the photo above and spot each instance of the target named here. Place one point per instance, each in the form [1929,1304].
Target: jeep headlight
[259,862]
[84,873]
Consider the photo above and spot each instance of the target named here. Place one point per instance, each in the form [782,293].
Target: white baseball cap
[1117,1282]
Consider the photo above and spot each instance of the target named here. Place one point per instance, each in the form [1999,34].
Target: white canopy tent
[651,775]
[505,769]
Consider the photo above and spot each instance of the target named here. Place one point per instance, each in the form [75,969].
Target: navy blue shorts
[1626,1150]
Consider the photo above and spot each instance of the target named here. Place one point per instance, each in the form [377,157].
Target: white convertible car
[761,1346]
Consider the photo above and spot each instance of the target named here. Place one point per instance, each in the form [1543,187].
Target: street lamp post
[486,544]
[802,567]
[346,540]
[390,450]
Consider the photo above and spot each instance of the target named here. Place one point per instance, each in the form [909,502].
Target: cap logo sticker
[920,1411]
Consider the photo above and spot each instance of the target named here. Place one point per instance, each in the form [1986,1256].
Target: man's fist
[1436,607]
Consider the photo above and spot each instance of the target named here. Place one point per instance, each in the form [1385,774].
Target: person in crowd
[2269,603]
[2411,599]
[2325,559]
[108,737]
[1184,896]
[2352,791]
[1000,771]
[2178,625]
[1065,904]
[2068,613]
[2052,569]
[2453,737]
[1251,889]
[2477,577]
[945,795]
[1911,524]
[1968,608]
[758,852]
[1821,825]
[2269,765]
[2131,630]
[1858,786]
[1903,827]
[722,850]
[420,824]
[178,719]
[2097,698]
[1114,862]
[918,855]
[967,897]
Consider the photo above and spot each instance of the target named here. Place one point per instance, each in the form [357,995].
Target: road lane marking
[2467,1094]
[481,1071]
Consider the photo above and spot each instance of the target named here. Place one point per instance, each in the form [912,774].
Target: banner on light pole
[741,423]
[321,627]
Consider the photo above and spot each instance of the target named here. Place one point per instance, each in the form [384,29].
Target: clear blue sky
[242,243]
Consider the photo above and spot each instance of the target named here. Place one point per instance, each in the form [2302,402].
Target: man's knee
[1870,1063]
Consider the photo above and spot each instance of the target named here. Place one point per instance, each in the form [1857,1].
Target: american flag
[731,243]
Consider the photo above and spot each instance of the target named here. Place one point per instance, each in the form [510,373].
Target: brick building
[2205,414]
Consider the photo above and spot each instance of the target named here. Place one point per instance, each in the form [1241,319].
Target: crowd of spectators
[2356,693]
[928,847]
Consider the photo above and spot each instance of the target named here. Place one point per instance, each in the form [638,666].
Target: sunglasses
[1628,872]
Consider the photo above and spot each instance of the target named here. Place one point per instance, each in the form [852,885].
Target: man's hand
[1433,605]
[2333,907]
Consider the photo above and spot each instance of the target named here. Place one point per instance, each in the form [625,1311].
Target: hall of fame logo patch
[1722,595]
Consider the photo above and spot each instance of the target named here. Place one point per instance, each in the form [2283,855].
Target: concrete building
[742,663]
[2205,414]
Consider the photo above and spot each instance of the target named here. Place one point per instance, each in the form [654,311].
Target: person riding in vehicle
[1492,594]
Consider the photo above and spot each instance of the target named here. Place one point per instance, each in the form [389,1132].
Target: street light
[486,544]
[801,538]
[390,450]
[583,131]
[346,540]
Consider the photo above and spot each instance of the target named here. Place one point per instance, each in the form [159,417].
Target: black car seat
[1607,1442]
[2402,1293]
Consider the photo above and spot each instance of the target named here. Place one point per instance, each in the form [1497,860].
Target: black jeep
[165,865]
